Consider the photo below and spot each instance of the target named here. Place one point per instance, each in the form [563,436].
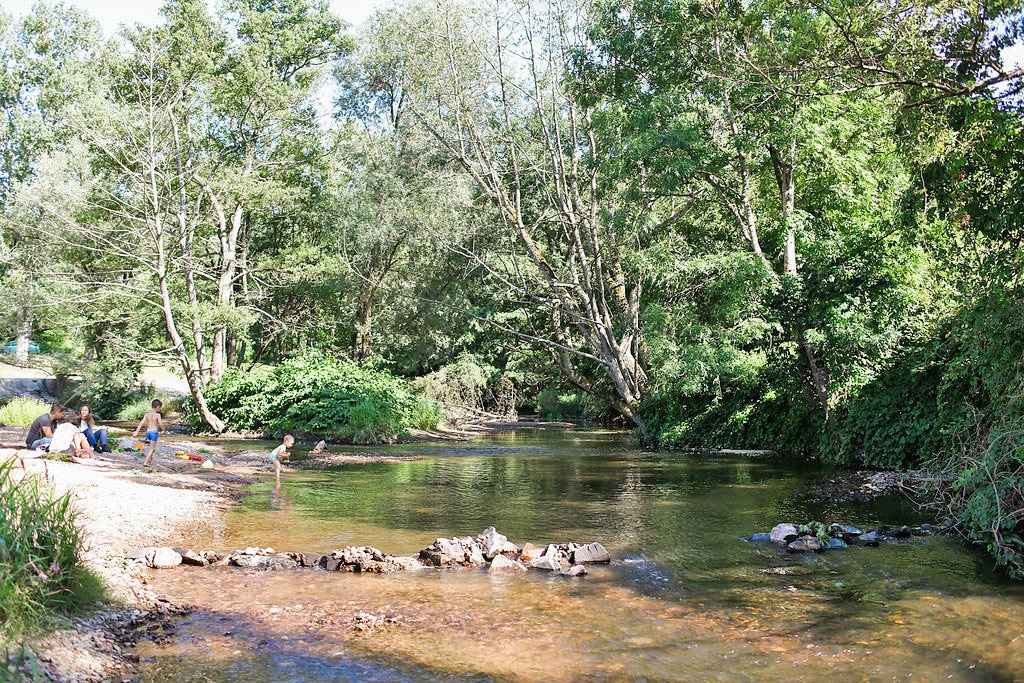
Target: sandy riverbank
[123,508]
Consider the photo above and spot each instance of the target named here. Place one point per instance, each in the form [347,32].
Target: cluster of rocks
[165,558]
[816,537]
[489,549]
[494,549]
[864,485]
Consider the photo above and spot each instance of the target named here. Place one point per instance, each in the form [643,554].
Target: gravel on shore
[123,507]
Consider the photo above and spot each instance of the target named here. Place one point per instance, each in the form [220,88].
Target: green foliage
[988,494]
[106,387]
[554,404]
[135,409]
[318,395]
[21,411]
[40,571]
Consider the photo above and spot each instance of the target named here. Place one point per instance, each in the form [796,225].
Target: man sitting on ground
[41,431]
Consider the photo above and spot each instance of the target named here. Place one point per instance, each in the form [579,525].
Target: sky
[112,13]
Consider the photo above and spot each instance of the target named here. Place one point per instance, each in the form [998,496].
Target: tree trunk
[22,339]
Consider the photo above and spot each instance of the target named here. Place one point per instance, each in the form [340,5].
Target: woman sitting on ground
[96,436]
[67,440]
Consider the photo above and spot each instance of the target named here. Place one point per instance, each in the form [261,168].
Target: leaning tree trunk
[191,376]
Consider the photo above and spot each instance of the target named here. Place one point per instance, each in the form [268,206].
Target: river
[685,598]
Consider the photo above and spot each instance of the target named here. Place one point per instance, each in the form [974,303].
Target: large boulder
[446,552]
[161,558]
[191,557]
[491,542]
[783,534]
[590,553]
[500,563]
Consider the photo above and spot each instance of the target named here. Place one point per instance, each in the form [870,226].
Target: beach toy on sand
[139,445]
[207,465]
[181,454]
[195,456]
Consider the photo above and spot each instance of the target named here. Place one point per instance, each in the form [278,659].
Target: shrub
[987,494]
[106,386]
[40,572]
[136,409]
[22,410]
[317,395]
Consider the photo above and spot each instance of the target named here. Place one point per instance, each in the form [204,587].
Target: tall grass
[21,411]
[40,571]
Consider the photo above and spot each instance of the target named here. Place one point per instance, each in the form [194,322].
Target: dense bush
[318,395]
[107,386]
[40,572]
[21,411]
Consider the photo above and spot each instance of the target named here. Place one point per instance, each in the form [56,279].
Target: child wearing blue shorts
[154,423]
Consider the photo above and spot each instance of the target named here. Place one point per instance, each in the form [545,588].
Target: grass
[21,411]
[41,575]
[142,405]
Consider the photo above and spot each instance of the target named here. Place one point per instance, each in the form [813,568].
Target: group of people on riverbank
[75,432]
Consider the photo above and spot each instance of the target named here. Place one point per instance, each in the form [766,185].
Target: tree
[485,81]
[771,116]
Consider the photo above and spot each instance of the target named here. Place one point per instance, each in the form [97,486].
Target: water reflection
[685,599]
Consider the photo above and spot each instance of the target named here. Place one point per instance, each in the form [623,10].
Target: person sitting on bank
[41,431]
[67,440]
[96,436]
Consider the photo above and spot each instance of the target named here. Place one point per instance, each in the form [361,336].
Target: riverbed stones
[191,557]
[490,542]
[446,552]
[530,552]
[548,562]
[501,563]
[257,558]
[366,559]
[577,570]
[591,553]
[783,534]
[161,558]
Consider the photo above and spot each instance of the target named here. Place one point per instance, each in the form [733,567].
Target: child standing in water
[280,452]
[154,423]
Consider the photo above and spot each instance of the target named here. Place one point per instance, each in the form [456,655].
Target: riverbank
[122,508]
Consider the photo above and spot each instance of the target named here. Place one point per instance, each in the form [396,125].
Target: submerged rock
[500,563]
[804,544]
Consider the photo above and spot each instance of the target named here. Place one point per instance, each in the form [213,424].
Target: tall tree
[485,80]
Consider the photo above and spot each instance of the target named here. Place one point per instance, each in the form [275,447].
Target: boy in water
[154,423]
[280,452]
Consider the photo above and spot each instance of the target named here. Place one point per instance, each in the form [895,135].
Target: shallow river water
[685,598]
